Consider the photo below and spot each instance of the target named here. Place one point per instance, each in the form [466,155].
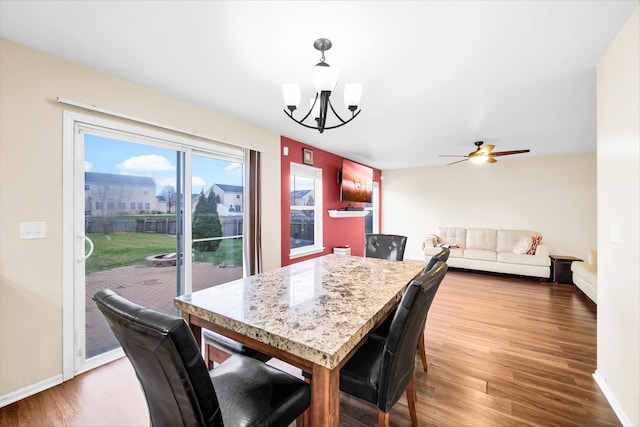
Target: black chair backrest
[167,361]
[385,246]
[404,333]
[443,256]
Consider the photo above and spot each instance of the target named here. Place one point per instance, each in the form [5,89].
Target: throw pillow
[534,244]
[523,246]
[435,240]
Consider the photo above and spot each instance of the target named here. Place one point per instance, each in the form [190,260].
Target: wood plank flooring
[502,351]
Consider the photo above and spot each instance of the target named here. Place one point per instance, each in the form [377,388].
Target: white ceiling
[437,75]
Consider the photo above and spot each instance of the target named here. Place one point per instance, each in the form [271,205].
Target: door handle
[91,247]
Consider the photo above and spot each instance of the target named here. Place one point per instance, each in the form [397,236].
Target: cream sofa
[489,249]
[585,275]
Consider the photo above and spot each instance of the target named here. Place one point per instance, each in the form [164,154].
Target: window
[306,210]
[122,205]
[111,205]
[371,221]
[133,206]
[98,204]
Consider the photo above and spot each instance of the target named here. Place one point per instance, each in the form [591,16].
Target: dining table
[313,315]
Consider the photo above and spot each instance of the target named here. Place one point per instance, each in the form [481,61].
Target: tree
[169,194]
[206,223]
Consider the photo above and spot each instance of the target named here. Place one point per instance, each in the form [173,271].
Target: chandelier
[325,79]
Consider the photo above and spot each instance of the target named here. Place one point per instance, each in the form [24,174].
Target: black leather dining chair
[385,246]
[443,256]
[383,367]
[383,329]
[179,389]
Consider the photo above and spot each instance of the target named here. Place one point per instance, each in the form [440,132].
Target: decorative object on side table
[561,268]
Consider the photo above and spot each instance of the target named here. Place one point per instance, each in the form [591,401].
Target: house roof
[230,188]
[298,194]
[115,179]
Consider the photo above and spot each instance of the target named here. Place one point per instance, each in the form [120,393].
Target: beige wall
[618,94]
[31,153]
[555,196]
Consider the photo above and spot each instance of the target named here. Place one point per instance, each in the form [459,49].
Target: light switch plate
[615,233]
[33,230]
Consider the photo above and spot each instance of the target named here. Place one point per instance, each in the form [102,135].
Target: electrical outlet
[33,230]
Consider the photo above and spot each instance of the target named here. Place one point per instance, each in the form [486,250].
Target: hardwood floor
[502,351]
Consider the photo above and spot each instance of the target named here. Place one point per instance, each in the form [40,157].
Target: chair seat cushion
[253,393]
[357,374]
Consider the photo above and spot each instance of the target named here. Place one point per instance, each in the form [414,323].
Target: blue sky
[105,155]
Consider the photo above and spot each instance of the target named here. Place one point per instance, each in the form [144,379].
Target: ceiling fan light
[291,95]
[352,95]
[325,77]
[478,159]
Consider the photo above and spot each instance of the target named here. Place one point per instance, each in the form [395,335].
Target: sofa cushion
[586,271]
[480,254]
[511,258]
[506,240]
[481,238]
[453,236]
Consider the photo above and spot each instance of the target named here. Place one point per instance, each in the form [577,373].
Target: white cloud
[164,181]
[198,184]
[149,163]
[233,169]
[88,166]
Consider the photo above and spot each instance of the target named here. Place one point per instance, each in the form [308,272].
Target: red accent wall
[336,231]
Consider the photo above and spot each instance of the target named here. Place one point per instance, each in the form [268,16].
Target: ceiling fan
[483,154]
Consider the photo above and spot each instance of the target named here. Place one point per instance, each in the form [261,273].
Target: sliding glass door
[155,216]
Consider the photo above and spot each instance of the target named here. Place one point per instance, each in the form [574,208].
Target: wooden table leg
[197,330]
[325,396]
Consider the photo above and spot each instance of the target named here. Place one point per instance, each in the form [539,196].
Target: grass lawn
[124,249]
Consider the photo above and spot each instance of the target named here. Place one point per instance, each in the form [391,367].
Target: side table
[561,268]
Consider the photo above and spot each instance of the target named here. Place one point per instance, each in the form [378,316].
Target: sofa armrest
[592,257]
[428,242]
[542,251]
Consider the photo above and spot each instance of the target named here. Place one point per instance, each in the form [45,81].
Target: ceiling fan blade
[507,153]
[487,148]
[490,159]
[451,155]
[459,161]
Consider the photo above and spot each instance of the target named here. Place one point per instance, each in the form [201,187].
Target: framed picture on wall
[307,156]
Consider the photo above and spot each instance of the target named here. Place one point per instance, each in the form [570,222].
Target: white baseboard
[13,397]
[608,394]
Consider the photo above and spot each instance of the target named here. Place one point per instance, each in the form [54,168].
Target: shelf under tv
[346,214]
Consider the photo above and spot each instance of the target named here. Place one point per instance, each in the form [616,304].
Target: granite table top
[318,309]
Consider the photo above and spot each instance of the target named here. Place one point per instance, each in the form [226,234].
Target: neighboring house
[108,194]
[302,198]
[229,196]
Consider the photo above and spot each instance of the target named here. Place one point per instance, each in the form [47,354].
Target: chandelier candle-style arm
[325,80]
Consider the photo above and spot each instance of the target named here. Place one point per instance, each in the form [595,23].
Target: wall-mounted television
[356,183]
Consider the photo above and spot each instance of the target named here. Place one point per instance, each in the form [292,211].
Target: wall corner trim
[608,394]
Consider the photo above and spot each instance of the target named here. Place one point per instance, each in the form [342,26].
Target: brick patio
[152,287]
